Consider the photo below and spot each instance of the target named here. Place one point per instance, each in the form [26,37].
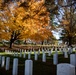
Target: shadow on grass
[39,67]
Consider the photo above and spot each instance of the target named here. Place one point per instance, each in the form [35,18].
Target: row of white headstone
[28,65]
[69,50]
[55,56]
[62,69]
[29,54]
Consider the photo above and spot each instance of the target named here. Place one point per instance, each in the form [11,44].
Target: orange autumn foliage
[23,22]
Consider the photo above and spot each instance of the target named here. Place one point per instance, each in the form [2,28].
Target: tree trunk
[70,41]
[25,42]
[42,43]
[11,43]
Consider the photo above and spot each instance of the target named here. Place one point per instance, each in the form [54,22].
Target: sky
[56,34]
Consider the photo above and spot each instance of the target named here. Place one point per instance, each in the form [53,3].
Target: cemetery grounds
[39,67]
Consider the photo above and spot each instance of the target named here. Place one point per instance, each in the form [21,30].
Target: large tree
[68,21]
[64,12]
[24,20]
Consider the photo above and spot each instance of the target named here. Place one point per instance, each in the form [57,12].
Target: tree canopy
[35,19]
[24,20]
[68,22]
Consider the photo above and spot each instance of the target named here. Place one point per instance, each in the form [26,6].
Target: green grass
[1,44]
[39,67]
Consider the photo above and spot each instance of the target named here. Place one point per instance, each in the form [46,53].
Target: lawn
[39,67]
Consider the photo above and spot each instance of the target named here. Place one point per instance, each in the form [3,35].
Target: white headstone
[31,51]
[8,51]
[65,69]
[39,52]
[73,59]
[56,52]
[43,50]
[65,49]
[24,56]
[49,53]
[3,61]
[15,66]
[17,54]
[7,63]
[55,59]
[55,49]
[74,49]
[29,55]
[70,50]
[20,54]
[34,51]
[14,54]
[65,54]
[44,57]
[60,50]
[36,56]
[25,50]
[28,67]
[52,49]
[46,51]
